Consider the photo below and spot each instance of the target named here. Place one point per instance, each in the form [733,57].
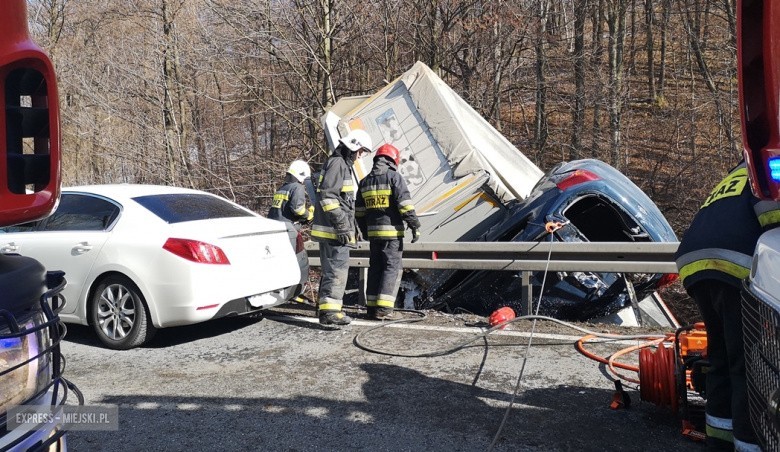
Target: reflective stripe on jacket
[383,203]
[721,239]
[289,203]
[334,209]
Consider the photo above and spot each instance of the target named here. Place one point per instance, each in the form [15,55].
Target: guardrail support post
[527,294]
[362,284]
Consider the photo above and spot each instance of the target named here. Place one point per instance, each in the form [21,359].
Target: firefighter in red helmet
[382,207]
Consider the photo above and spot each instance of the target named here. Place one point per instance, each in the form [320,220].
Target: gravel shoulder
[282,382]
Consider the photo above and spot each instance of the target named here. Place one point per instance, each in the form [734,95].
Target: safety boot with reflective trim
[334,318]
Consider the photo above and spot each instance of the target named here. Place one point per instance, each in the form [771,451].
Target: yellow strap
[330,307]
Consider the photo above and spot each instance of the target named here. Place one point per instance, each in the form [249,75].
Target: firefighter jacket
[289,203]
[720,242]
[334,210]
[384,203]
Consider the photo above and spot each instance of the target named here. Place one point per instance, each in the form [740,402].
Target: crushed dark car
[594,203]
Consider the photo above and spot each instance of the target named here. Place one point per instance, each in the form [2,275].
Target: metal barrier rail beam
[624,257]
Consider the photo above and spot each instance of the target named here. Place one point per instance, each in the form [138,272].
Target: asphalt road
[282,384]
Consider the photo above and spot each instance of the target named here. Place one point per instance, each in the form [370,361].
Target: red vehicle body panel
[29,123]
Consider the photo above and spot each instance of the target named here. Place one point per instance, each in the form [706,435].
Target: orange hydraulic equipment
[669,369]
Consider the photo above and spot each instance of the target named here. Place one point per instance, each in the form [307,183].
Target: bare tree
[616,23]
[578,112]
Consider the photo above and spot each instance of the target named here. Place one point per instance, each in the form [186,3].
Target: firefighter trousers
[727,405]
[384,272]
[334,266]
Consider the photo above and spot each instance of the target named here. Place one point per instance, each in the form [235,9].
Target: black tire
[119,315]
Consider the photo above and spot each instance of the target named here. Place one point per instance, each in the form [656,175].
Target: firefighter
[334,223]
[289,203]
[714,257]
[382,206]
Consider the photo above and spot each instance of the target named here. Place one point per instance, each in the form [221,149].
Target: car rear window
[181,207]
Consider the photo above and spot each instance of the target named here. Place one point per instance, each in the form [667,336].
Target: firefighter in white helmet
[334,223]
[289,203]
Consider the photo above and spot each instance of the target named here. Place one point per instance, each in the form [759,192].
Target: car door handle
[82,247]
[9,248]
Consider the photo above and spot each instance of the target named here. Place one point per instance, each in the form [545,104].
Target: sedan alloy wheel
[116,311]
[119,314]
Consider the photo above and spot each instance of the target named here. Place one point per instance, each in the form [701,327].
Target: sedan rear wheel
[119,315]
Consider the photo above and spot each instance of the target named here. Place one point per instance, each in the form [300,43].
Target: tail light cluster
[299,243]
[196,251]
[666,279]
[575,178]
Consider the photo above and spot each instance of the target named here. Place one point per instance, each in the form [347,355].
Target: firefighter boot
[334,318]
[382,314]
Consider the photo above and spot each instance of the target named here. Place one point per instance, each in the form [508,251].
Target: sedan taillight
[577,177]
[666,279]
[298,243]
[196,251]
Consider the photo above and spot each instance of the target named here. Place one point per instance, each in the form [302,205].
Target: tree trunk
[649,47]
[616,22]
[666,5]
[174,109]
[578,113]
[598,53]
[326,50]
[540,116]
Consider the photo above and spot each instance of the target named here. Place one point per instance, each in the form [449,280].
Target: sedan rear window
[181,207]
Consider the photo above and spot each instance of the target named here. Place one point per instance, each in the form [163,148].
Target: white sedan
[142,257]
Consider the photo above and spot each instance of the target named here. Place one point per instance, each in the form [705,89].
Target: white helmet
[300,170]
[357,140]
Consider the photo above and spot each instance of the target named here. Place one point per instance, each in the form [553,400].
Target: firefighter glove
[345,238]
[415,234]
[310,213]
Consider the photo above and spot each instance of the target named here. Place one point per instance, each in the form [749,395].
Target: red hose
[656,377]
[580,346]
[656,369]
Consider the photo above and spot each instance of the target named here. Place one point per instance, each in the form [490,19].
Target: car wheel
[119,315]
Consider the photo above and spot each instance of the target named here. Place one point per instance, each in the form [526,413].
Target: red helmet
[388,150]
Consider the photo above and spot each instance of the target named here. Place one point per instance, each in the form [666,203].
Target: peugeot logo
[267,250]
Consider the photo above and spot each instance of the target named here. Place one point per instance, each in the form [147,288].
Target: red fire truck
[30,330]
[758,63]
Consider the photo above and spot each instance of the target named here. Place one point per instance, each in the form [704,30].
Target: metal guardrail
[624,257]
